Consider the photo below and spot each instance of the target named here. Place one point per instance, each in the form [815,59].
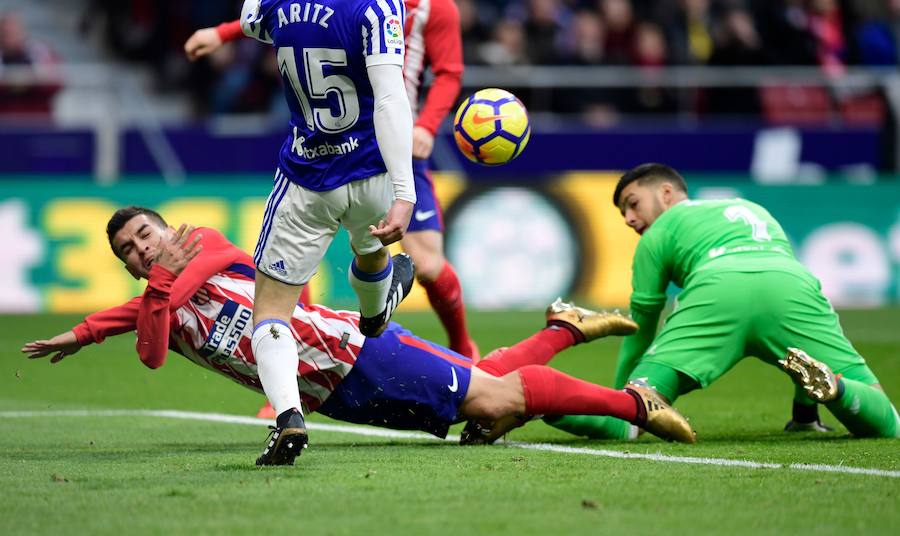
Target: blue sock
[371,289]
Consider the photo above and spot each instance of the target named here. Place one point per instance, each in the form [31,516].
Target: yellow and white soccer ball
[491,127]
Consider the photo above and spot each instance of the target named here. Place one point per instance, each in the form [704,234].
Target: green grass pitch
[153,475]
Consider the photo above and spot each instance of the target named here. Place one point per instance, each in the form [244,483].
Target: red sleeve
[103,324]
[229,31]
[166,292]
[443,49]
[154,318]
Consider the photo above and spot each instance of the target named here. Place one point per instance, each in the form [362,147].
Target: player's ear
[134,273]
[666,191]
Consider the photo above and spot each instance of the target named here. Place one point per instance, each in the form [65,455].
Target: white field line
[399,434]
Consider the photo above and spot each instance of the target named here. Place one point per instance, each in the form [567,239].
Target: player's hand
[175,253]
[60,346]
[423,143]
[202,43]
[392,228]
[201,297]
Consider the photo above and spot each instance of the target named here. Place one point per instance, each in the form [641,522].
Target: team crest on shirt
[393,32]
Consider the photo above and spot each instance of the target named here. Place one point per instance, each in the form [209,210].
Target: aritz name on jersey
[323,149]
[311,13]
[226,332]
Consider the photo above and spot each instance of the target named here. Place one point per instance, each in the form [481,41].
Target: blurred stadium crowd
[830,34]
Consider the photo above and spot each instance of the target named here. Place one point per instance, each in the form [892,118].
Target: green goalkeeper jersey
[688,240]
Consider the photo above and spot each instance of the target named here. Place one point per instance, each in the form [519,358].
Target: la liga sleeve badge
[393,32]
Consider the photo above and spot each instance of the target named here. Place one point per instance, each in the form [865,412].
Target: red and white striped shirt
[216,332]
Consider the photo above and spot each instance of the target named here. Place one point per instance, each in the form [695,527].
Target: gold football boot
[662,420]
[591,324]
[815,377]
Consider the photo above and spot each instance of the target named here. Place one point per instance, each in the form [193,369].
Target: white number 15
[323,118]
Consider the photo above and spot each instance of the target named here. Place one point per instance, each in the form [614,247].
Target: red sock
[445,296]
[538,349]
[550,392]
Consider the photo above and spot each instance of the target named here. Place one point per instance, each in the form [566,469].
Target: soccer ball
[491,127]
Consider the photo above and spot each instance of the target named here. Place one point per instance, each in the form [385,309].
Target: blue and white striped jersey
[323,48]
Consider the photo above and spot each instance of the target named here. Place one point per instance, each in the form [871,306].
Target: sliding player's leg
[567,325]
[663,379]
[827,366]
[538,389]
[699,342]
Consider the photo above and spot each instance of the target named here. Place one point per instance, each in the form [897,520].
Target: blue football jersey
[323,48]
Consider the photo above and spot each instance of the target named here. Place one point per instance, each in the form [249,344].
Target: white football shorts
[299,224]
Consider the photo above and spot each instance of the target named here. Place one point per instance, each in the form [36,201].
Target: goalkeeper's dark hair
[649,173]
[123,215]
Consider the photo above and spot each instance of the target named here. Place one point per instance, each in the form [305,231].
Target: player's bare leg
[441,284]
[381,282]
[277,363]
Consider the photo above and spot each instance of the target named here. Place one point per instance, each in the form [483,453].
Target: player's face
[138,242]
[642,204]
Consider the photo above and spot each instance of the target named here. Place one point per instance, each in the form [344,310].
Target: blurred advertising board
[514,245]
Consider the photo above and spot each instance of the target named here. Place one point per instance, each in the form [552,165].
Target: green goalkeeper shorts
[724,316]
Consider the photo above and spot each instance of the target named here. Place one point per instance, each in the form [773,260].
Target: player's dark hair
[123,215]
[647,173]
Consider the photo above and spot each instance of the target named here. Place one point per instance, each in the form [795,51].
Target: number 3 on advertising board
[85,258]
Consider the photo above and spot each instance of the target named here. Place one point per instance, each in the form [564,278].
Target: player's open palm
[392,228]
[176,252]
[60,346]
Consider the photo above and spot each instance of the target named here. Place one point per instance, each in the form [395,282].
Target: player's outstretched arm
[205,41]
[443,48]
[60,346]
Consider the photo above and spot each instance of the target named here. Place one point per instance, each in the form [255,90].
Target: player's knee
[429,265]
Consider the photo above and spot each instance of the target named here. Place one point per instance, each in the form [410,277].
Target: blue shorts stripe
[280,179]
[267,226]
[276,185]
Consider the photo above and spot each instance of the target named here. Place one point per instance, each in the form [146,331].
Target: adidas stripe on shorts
[299,224]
